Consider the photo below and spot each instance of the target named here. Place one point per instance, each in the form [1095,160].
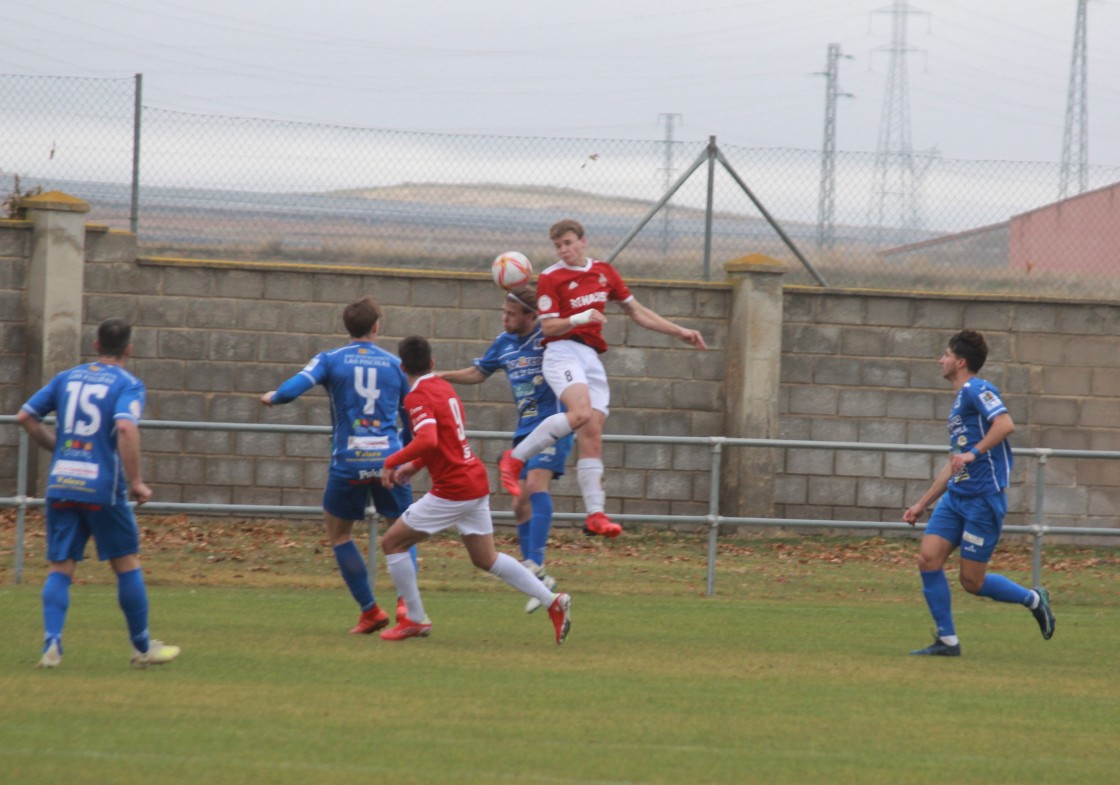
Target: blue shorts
[348,499]
[974,523]
[552,458]
[70,525]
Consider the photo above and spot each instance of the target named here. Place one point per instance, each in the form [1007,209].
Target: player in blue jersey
[366,387]
[519,353]
[973,492]
[95,469]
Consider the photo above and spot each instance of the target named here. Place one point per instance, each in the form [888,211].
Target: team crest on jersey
[962,440]
[990,400]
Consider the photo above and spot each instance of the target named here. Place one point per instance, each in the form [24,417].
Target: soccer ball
[511,269]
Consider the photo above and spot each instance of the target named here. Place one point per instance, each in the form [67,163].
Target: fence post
[709,207]
[713,514]
[137,109]
[371,549]
[21,494]
[1039,500]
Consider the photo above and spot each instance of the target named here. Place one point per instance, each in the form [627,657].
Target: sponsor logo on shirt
[990,400]
[588,299]
[545,302]
[368,443]
[78,469]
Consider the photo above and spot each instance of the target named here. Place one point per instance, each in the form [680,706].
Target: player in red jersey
[459,496]
[572,295]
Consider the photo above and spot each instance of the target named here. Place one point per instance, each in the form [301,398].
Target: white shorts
[431,515]
[570,362]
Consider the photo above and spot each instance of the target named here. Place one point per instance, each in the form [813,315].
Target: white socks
[404,578]
[551,430]
[518,576]
[589,471]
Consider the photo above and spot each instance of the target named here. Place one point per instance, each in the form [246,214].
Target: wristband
[583,317]
[975,452]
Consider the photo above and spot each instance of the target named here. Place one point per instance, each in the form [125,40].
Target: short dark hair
[113,337]
[361,316]
[416,355]
[971,347]
[561,228]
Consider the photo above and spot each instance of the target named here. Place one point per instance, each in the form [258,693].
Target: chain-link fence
[259,189]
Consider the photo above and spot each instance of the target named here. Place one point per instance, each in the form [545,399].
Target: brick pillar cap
[755,263]
[55,200]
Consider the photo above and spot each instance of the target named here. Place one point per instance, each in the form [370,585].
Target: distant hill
[562,201]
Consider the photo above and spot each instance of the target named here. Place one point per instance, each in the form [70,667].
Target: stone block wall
[211,337]
[862,366]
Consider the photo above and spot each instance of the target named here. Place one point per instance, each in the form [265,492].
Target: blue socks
[532,536]
[523,539]
[1002,589]
[133,598]
[539,525]
[935,587]
[56,601]
[353,569]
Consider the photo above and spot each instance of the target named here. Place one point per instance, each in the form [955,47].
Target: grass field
[795,672]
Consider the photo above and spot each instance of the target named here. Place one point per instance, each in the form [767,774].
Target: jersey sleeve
[619,291]
[44,401]
[422,424]
[315,372]
[130,403]
[547,299]
[988,402]
[490,362]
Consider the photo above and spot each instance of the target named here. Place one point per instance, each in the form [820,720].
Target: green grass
[796,672]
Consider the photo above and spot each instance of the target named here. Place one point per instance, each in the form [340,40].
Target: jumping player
[572,295]
[459,496]
[95,469]
[518,351]
[366,388]
[970,514]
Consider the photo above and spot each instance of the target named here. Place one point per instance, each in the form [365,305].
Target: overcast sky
[988,79]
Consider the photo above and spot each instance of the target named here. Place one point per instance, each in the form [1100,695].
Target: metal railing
[1037,530]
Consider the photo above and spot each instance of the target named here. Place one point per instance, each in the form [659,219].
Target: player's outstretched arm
[289,390]
[471,375]
[652,320]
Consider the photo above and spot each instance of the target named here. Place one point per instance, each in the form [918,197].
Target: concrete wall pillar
[55,284]
[752,383]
